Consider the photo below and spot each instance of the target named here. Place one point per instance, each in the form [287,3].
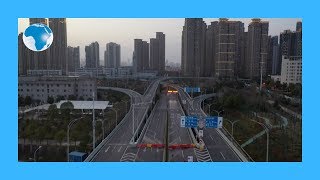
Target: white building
[40,88]
[122,71]
[291,69]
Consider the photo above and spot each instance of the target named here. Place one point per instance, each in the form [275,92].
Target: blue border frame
[11,11]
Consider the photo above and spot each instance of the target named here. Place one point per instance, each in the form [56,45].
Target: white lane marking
[120,149]
[211,137]
[113,148]
[182,154]
[107,149]
[222,155]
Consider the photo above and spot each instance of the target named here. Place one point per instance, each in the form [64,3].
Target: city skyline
[123,31]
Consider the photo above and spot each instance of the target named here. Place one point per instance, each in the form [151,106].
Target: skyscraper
[92,55]
[73,58]
[154,54]
[112,55]
[210,49]
[58,48]
[140,56]
[228,48]
[162,51]
[193,47]
[257,48]
[145,56]
[290,44]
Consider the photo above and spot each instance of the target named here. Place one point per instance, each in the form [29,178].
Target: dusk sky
[82,31]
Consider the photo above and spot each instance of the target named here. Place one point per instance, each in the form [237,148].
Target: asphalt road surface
[217,147]
[118,148]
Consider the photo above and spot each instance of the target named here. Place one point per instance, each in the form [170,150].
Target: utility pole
[93,125]
[261,66]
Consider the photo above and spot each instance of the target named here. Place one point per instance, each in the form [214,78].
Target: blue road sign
[189,121]
[191,89]
[214,122]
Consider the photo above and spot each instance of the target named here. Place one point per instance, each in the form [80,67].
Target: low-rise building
[40,88]
[291,69]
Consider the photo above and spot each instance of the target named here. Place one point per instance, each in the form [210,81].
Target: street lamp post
[116,111]
[68,132]
[218,112]
[267,131]
[35,152]
[93,124]
[232,124]
[210,107]
[102,124]
[126,105]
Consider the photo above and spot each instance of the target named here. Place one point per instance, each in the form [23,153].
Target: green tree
[52,112]
[28,100]
[21,101]
[50,100]
[72,97]
[65,109]
[60,136]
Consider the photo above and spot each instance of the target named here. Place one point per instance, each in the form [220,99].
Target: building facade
[73,58]
[140,56]
[193,47]
[92,55]
[154,54]
[162,51]
[291,70]
[112,55]
[257,48]
[40,88]
[58,48]
[228,48]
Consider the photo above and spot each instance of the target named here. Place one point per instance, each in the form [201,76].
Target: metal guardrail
[229,136]
[104,141]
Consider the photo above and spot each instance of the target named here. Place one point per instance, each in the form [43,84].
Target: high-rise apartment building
[154,54]
[140,56]
[272,56]
[162,51]
[58,48]
[257,48]
[228,48]
[112,55]
[290,44]
[92,55]
[73,58]
[193,47]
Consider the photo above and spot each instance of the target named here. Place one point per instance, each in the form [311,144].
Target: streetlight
[232,123]
[126,105]
[34,154]
[68,132]
[210,107]
[116,111]
[93,124]
[218,112]
[267,131]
